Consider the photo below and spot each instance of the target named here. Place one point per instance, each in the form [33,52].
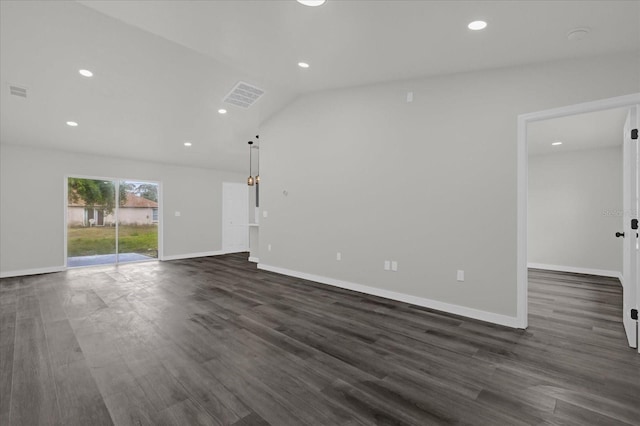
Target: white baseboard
[577,270]
[254,259]
[201,254]
[35,271]
[401,297]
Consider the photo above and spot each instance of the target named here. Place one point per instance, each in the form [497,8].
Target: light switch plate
[338,256]
[387,265]
[460,275]
[394,266]
[265,213]
[177,214]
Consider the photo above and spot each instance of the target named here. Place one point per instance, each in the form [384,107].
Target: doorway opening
[575,190]
[631,258]
[111,221]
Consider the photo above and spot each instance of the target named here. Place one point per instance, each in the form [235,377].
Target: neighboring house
[135,211]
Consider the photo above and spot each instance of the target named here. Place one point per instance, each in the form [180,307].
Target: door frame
[65,187]
[630,243]
[522,279]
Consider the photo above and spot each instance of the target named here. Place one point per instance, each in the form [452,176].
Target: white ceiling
[594,130]
[357,42]
[147,96]
[163,67]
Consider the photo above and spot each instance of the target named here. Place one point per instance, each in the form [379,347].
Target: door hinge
[634,314]
[634,223]
[634,133]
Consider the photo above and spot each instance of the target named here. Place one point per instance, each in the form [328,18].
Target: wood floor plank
[130,407]
[203,387]
[252,419]
[81,403]
[254,394]
[186,412]
[161,388]
[33,397]
[7,347]
[215,341]
[50,305]
[581,416]
[113,377]
[62,343]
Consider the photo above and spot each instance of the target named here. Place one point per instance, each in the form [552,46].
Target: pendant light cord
[250,171]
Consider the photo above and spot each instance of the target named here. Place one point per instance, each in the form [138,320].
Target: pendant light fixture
[250,180]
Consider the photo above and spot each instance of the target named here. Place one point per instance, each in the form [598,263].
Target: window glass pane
[138,221]
[91,233]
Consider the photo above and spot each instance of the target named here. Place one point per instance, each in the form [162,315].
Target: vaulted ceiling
[162,68]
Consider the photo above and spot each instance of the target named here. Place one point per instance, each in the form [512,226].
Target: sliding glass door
[138,219]
[111,221]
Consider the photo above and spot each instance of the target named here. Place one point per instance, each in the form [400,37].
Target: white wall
[573,200]
[430,184]
[32,203]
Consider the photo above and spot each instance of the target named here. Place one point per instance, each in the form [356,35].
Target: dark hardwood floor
[214,341]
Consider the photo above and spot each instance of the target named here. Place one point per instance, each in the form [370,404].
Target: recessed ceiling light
[72,124]
[578,34]
[556,143]
[187,144]
[85,73]
[312,3]
[477,25]
[222,111]
[303,65]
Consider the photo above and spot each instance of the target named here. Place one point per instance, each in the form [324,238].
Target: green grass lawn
[142,239]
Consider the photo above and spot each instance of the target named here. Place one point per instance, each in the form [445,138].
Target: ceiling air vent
[18,91]
[244,95]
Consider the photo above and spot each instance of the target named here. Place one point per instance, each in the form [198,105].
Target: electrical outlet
[338,256]
[269,247]
[387,265]
[177,214]
[394,266]
[409,97]
[460,275]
